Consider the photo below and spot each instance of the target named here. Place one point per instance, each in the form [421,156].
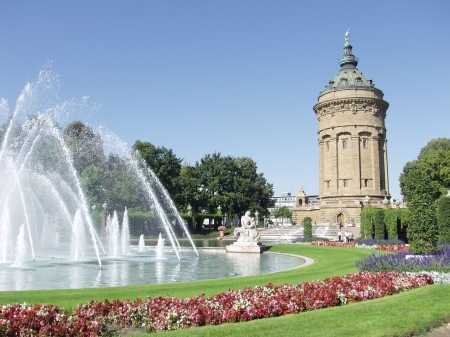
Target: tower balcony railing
[348,58]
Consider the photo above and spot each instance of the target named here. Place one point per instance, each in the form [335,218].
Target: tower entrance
[340,218]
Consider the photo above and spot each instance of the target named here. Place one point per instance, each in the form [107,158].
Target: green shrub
[395,219]
[422,229]
[443,218]
[367,222]
[307,231]
[380,227]
[391,218]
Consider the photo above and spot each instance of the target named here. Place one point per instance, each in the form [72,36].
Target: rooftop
[349,77]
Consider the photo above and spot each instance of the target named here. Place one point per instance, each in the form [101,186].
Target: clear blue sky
[236,77]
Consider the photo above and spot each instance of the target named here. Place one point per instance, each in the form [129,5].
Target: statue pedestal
[246,248]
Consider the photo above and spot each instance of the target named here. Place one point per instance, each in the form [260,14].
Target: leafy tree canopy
[86,147]
[165,164]
[92,180]
[422,182]
[438,144]
[282,212]
[231,183]
[434,162]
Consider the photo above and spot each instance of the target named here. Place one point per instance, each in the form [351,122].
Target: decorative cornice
[380,129]
[376,107]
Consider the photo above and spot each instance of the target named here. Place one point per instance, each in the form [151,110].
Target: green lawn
[393,315]
[329,261]
[399,315]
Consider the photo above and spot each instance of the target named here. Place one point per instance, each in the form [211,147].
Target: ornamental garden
[388,269]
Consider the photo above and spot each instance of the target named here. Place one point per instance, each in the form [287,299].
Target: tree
[434,161]
[86,147]
[188,188]
[438,144]
[228,182]
[127,192]
[92,180]
[422,182]
[255,189]
[165,164]
[216,184]
[443,218]
[283,213]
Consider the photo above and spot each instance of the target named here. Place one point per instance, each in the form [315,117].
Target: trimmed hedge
[379,225]
[307,231]
[394,221]
[443,218]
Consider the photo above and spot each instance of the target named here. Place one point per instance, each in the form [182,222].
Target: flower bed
[46,320]
[333,243]
[384,247]
[376,242]
[438,278]
[403,261]
[392,248]
[162,313]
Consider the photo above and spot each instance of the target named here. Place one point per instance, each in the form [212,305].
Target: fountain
[125,234]
[21,248]
[51,237]
[160,247]
[141,246]
[43,206]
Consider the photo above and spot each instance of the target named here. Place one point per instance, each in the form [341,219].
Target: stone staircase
[294,233]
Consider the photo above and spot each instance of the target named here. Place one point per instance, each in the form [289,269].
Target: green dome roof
[349,77]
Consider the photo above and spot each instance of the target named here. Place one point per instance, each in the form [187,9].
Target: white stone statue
[347,35]
[248,233]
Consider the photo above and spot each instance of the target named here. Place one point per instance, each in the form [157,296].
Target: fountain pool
[52,183]
[140,268]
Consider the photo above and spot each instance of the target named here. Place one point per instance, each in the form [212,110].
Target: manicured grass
[401,314]
[329,261]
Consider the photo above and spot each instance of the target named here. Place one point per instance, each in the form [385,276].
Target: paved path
[442,331]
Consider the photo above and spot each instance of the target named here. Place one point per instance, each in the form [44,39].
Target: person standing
[346,236]
[340,236]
